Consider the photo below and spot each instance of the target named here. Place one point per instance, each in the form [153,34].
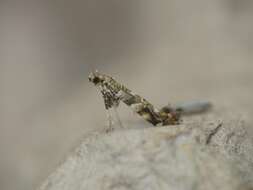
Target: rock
[217,155]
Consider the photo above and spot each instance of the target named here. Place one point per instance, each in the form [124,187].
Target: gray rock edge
[197,155]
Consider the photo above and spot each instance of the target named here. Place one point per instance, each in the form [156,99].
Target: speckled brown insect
[113,93]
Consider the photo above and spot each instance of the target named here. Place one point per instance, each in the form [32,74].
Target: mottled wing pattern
[110,97]
[141,107]
[114,92]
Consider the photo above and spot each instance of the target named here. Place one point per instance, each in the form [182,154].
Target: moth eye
[96,80]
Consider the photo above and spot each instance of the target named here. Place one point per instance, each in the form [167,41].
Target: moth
[114,92]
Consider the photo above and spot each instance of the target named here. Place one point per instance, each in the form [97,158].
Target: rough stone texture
[210,155]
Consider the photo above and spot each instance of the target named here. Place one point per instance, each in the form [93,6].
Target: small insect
[113,93]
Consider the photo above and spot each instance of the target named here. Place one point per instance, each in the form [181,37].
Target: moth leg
[108,102]
[109,120]
[118,117]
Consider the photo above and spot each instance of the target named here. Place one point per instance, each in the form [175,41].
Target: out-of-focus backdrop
[166,50]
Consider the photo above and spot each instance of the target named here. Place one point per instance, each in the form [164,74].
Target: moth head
[96,78]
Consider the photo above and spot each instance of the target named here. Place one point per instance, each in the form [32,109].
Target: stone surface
[196,155]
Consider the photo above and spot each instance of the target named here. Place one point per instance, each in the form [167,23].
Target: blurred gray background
[166,50]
